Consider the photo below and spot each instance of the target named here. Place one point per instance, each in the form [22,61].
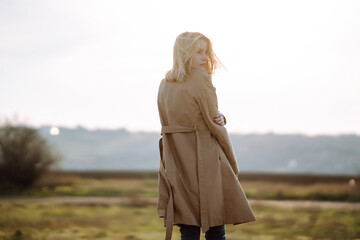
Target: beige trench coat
[198,182]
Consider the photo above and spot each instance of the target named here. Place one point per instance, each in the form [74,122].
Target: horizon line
[79,126]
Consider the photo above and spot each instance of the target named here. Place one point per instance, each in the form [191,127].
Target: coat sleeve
[207,100]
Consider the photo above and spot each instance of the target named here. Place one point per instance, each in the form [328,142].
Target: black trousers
[189,232]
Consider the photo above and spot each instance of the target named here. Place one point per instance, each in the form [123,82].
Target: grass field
[64,221]
[21,219]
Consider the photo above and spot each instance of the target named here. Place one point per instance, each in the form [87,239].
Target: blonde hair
[185,47]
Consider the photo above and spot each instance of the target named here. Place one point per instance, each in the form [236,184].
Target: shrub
[24,157]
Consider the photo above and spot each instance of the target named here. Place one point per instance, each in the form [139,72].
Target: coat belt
[170,206]
[176,129]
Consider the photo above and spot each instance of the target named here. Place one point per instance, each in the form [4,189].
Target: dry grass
[316,191]
[324,188]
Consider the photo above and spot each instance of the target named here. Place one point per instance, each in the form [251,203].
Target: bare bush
[24,157]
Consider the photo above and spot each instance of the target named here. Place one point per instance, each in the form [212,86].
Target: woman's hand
[219,119]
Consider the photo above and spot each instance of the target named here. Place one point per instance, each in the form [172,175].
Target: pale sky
[291,66]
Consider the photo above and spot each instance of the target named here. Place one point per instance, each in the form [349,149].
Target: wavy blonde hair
[185,47]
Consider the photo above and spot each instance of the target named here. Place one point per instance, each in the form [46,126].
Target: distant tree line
[120,149]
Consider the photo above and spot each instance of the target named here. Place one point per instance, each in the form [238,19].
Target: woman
[198,184]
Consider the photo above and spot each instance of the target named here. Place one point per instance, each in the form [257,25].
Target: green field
[65,221]
[44,218]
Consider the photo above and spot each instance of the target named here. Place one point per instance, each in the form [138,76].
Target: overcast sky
[291,66]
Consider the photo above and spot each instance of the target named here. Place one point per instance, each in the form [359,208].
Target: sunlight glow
[54,131]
